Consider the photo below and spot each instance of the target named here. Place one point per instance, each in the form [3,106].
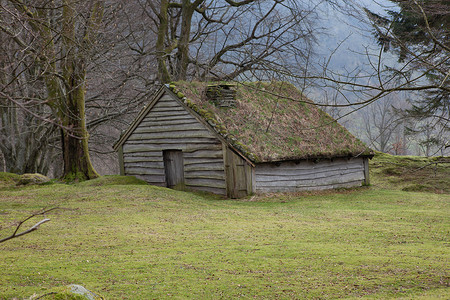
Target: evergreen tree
[419,34]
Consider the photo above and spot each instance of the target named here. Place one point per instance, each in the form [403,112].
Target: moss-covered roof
[272,121]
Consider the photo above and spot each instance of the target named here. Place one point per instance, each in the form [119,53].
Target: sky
[349,39]
[351,34]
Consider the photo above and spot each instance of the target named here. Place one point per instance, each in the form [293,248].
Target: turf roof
[272,121]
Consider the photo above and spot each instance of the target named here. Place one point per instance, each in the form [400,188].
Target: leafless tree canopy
[220,40]
[74,72]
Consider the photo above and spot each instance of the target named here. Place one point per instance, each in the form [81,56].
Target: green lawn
[141,242]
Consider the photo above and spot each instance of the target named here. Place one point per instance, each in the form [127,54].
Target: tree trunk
[74,134]
[77,163]
[183,45]
[163,72]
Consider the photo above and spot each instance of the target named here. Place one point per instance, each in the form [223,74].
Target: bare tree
[25,140]
[223,39]
[86,64]
[380,124]
[62,35]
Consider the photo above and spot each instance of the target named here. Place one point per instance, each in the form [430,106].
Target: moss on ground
[34,178]
[8,179]
[411,173]
[11,180]
[113,180]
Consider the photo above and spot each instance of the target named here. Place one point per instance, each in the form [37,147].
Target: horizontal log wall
[168,126]
[293,177]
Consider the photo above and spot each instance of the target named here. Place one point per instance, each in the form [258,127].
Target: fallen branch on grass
[33,228]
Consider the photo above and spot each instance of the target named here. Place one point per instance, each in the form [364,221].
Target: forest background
[75,73]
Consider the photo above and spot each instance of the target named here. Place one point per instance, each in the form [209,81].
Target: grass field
[133,241]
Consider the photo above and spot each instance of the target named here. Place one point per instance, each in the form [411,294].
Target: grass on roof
[275,122]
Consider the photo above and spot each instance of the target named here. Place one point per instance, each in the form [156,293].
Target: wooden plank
[143,171]
[311,177]
[205,173]
[167,118]
[175,140]
[167,103]
[201,161]
[211,176]
[249,179]
[310,164]
[150,165]
[169,110]
[309,188]
[166,106]
[161,103]
[158,123]
[292,169]
[191,141]
[121,160]
[141,149]
[167,98]
[171,129]
[307,183]
[206,182]
[166,128]
[308,174]
[217,191]
[314,181]
[313,168]
[145,135]
[129,159]
[209,167]
[184,143]
[175,114]
[149,134]
[144,155]
[213,152]
[318,181]
[366,171]
[153,179]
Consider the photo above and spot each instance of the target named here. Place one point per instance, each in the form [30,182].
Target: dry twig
[33,228]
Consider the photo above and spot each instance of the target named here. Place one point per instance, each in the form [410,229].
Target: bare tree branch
[15,234]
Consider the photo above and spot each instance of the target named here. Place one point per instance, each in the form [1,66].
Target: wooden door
[237,172]
[174,169]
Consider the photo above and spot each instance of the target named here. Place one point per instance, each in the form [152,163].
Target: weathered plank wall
[292,177]
[168,126]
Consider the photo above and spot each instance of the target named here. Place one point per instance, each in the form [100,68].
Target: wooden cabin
[235,140]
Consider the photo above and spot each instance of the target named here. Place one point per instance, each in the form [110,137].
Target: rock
[80,290]
[68,292]
[33,179]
